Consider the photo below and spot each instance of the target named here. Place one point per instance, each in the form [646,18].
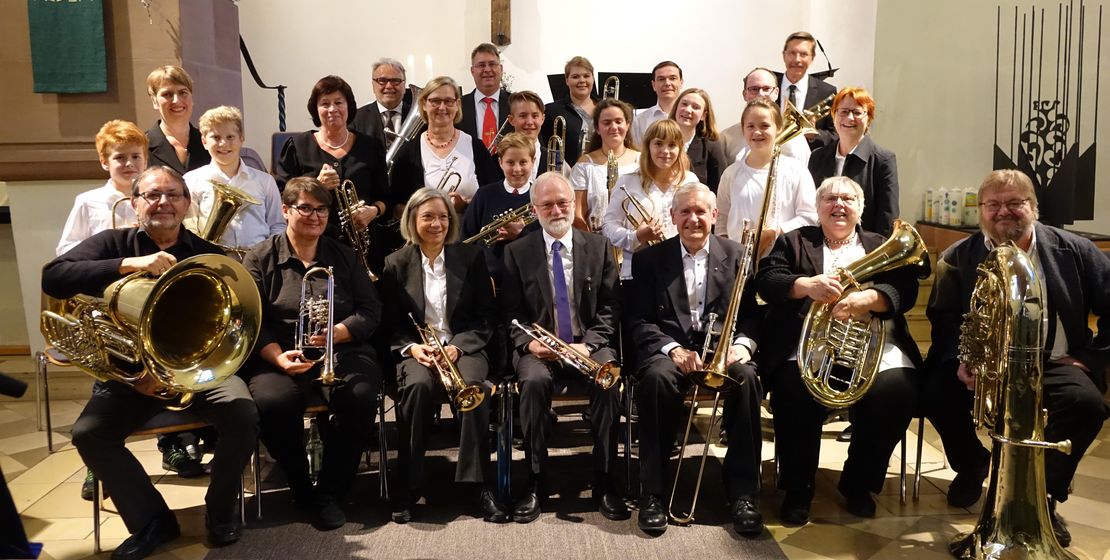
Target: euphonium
[187,330]
[556,145]
[409,129]
[349,204]
[490,234]
[464,396]
[839,360]
[604,374]
[1001,343]
[637,214]
[317,315]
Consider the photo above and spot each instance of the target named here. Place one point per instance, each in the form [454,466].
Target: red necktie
[489,123]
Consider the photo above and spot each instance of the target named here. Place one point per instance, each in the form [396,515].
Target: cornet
[317,314]
[465,397]
[637,214]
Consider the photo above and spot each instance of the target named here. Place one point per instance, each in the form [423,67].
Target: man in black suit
[679,284]
[481,118]
[394,101]
[797,85]
[565,280]
[1075,276]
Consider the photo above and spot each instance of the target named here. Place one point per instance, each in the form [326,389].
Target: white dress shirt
[642,121]
[253,222]
[590,177]
[92,214]
[435,167]
[740,197]
[396,117]
[435,295]
[799,93]
[567,255]
[657,202]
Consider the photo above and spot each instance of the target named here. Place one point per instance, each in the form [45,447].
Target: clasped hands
[690,361]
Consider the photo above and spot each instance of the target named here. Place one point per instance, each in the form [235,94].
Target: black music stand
[635,87]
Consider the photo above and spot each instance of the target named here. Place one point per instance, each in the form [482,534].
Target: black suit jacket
[527,295]
[468,125]
[573,147]
[659,312]
[407,174]
[707,161]
[800,253]
[368,119]
[161,152]
[470,305]
[816,91]
[876,170]
[1076,276]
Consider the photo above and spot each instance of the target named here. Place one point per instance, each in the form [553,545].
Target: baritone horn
[605,375]
[316,315]
[839,360]
[464,396]
[227,201]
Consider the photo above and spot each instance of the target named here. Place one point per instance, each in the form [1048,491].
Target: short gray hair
[841,181]
[386,61]
[418,199]
[694,188]
[544,178]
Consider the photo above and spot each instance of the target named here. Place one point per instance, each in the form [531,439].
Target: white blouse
[656,202]
[740,197]
[459,160]
[590,177]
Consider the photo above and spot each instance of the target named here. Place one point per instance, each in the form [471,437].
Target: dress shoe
[528,508]
[846,435]
[160,530]
[326,515]
[795,509]
[492,511]
[1059,528]
[966,488]
[612,506]
[223,534]
[859,503]
[88,488]
[175,458]
[746,518]
[652,518]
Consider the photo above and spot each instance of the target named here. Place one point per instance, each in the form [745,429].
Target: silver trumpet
[317,314]
[604,374]
[448,176]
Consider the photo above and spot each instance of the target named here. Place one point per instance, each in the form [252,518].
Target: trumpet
[448,176]
[605,375]
[348,202]
[490,234]
[556,145]
[612,88]
[637,214]
[316,314]
[465,397]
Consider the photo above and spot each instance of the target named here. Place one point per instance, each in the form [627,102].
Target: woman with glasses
[589,176]
[693,111]
[800,271]
[444,157]
[283,380]
[858,157]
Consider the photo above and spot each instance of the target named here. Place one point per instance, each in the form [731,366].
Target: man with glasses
[564,280]
[801,89]
[160,200]
[392,105]
[486,108]
[666,82]
[1074,275]
[760,82]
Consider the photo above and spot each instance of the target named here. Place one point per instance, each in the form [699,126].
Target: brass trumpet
[637,214]
[115,205]
[556,145]
[317,314]
[465,397]
[349,204]
[604,374]
[490,233]
[450,175]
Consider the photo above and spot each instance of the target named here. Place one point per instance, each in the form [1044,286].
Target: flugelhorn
[490,234]
[556,145]
[605,375]
[464,396]
[317,315]
[636,213]
[450,177]
[349,204]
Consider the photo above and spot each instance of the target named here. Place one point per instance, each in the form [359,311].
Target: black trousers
[879,422]
[537,384]
[421,392]
[115,410]
[282,400]
[1075,407]
[659,396]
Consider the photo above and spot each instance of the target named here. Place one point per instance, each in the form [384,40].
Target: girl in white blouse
[589,176]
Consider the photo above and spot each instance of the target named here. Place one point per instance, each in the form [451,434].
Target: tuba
[464,396]
[1001,342]
[491,234]
[604,375]
[346,197]
[227,202]
[316,314]
[187,330]
[840,359]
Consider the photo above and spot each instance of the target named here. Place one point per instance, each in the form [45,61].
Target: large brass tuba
[464,396]
[188,329]
[839,359]
[1001,342]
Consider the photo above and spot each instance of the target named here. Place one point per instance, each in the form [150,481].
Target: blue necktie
[562,302]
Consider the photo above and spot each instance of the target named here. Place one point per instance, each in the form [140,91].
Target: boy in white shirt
[221,131]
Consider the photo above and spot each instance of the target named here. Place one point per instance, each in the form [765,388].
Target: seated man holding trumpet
[682,285]
[560,293]
[440,301]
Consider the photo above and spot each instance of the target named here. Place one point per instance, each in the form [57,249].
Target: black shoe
[327,516]
[746,518]
[223,534]
[492,511]
[859,503]
[652,518]
[160,530]
[795,509]
[402,507]
[966,488]
[89,486]
[1059,528]
[176,459]
[722,437]
[528,508]
[846,435]
[613,507]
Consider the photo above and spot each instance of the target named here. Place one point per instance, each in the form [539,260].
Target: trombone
[317,313]
[604,374]
[464,396]
[637,214]
[450,175]
[556,145]
[612,88]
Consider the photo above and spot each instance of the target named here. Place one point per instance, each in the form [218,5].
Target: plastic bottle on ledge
[942,206]
[971,208]
[928,214]
[956,207]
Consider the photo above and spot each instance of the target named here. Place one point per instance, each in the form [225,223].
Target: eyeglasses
[845,113]
[437,102]
[154,197]
[487,65]
[760,89]
[547,206]
[306,210]
[388,81]
[832,198]
[1011,205]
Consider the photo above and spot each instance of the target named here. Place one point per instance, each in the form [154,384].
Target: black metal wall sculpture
[1049,126]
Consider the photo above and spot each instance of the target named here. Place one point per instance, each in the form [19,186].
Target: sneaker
[89,486]
[177,459]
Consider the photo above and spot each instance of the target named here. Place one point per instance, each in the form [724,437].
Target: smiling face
[173,101]
[441,105]
[694,214]
[761,83]
[580,82]
[332,109]
[123,164]
[223,141]
[432,222]
[161,204]
[553,203]
[517,166]
[760,129]
[838,210]
[612,127]
[527,118]
[851,121]
[486,70]
[1005,214]
[690,110]
[797,57]
[666,83]
[664,154]
[389,86]
[300,225]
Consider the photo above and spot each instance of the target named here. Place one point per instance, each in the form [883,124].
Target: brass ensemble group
[486,249]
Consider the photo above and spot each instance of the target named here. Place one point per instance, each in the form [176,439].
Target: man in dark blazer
[1075,276]
[392,105]
[565,280]
[875,169]
[485,67]
[797,55]
[670,329]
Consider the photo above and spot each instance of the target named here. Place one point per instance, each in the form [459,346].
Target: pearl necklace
[839,243]
[341,144]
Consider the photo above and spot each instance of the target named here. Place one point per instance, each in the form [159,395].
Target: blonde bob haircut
[420,198]
[430,87]
[173,74]
[224,114]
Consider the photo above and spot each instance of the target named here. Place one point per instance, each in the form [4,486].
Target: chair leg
[383,449]
[505,442]
[44,382]
[40,366]
[630,393]
[257,481]
[96,515]
[902,474]
[242,500]
[917,469]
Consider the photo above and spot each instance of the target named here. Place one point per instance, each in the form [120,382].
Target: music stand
[635,87]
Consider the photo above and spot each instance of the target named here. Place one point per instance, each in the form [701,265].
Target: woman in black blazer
[865,162]
[577,110]
[800,270]
[445,286]
[693,111]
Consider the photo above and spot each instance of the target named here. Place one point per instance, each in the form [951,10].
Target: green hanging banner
[67,46]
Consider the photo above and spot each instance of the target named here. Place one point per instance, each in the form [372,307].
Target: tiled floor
[46,491]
